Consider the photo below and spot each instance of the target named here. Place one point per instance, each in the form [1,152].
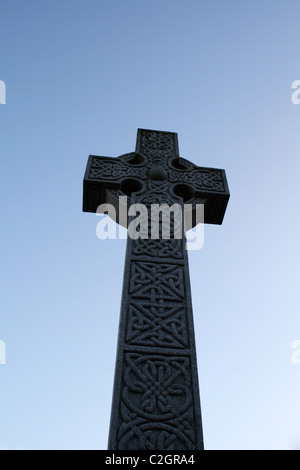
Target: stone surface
[155,166]
[156,404]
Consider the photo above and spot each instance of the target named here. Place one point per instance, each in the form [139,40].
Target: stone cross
[156,404]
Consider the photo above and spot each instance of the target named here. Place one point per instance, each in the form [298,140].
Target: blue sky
[81,77]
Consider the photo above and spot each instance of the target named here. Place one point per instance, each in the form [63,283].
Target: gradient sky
[81,77]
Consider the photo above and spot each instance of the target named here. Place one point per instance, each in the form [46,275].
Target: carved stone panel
[157,408]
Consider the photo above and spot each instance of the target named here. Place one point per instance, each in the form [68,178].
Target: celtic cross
[156,404]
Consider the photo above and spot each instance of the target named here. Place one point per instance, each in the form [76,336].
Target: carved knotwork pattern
[155,281]
[204,180]
[158,187]
[107,169]
[158,248]
[116,193]
[132,159]
[157,324]
[157,146]
[156,197]
[157,408]
[183,164]
[157,405]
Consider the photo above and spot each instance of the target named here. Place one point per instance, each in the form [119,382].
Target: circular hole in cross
[130,185]
[178,164]
[135,160]
[185,191]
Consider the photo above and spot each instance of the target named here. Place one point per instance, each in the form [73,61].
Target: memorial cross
[156,404]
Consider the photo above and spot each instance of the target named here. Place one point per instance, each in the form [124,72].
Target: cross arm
[201,185]
[124,173]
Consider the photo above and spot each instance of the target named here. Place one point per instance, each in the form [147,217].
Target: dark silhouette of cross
[156,404]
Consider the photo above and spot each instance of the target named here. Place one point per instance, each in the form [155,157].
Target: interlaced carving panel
[158,248]
[157,403]
[204,180]
[155,281]
[108,169]
[157,324]
[157,146]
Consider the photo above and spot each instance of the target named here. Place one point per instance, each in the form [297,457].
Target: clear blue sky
[81,77]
